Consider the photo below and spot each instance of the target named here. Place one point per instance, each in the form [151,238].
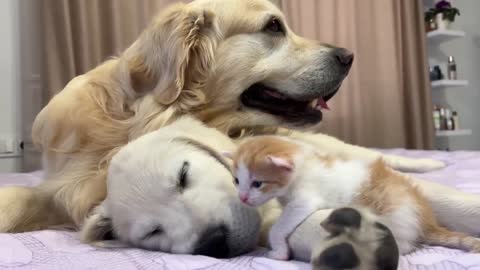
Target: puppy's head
[236,64]
[170,193]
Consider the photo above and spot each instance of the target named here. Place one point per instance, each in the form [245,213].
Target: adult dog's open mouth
[272,101]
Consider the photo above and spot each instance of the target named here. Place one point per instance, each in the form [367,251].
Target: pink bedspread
[51,250]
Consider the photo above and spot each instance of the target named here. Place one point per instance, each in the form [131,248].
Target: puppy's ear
[387,254]
[98,231]
[339,256]
[175,54]
[341,219]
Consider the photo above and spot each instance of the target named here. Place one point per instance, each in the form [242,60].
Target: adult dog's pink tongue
[322,104]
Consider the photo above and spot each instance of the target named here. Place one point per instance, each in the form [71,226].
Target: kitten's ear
[281,162]
[228,155]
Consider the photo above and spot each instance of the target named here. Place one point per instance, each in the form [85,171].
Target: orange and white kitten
[304,180]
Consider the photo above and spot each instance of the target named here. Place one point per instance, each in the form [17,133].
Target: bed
[51,250]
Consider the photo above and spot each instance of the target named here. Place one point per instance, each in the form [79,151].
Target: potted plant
[443,13]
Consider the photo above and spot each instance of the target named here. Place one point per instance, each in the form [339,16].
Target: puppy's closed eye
[155,232]
[183,176]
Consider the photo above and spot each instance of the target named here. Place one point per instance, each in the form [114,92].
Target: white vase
[441,23]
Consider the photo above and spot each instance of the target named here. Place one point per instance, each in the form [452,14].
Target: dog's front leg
[25,209]
[455,209]
[337,147]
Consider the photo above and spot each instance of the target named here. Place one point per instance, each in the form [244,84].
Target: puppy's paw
[280,254]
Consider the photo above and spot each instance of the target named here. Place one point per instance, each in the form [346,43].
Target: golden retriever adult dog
[234,64]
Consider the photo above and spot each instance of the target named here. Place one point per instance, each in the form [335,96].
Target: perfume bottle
[449,125]
[456,124]
[443,122]
[436,74]
[436,118]
[451,68]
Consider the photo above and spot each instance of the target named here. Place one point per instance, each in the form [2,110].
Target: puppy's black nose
[213,242]
[344,57]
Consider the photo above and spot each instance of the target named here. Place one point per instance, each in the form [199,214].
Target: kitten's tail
[441,236]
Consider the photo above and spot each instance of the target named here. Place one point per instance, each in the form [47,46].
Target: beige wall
[9,76]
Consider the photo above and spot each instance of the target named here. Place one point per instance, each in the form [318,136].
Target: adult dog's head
[236,64]
[171,190]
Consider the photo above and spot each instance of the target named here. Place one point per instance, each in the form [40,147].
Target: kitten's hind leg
[292,216]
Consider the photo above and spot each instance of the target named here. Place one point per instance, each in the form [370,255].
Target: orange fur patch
[254,152]
[387,190]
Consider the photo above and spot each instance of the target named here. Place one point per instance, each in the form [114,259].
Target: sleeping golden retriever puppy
[234,64]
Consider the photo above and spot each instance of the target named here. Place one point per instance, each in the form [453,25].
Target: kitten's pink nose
[243,198]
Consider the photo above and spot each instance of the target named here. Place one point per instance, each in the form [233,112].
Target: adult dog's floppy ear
[98,231]
[174,54]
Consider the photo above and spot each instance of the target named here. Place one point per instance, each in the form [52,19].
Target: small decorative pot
[430,25]
[442,24]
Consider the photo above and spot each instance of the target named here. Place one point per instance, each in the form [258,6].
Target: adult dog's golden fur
[197,58]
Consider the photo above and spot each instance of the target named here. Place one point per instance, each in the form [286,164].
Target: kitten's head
[263,167]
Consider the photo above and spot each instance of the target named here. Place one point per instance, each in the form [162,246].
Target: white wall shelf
[444,35]
[450,133]
[449,83]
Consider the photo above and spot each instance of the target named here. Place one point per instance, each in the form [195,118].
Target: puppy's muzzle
[213,242]
[236,235]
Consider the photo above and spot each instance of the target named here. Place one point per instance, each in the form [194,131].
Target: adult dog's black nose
[343,56]
[213,242]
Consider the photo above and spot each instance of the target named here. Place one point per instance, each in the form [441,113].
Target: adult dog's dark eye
[182,177]
[274,26]
[236,181]
[155,232]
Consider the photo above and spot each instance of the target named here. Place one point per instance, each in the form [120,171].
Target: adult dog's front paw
[421,165]
[426,165]
[280,254]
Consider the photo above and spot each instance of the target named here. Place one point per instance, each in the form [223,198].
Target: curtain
[81,34]
[386,99]
[72,37]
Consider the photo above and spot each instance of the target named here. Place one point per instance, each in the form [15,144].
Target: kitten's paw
[278,254]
